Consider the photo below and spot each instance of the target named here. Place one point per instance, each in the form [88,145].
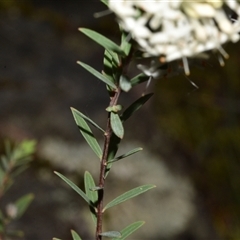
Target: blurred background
[190,136]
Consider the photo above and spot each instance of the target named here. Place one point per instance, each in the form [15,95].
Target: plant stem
[103,165]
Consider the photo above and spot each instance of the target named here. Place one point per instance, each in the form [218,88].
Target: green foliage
[15,160]
[105,2]
[140,78]
[75,236]
[75,188]
[135,106]
[135,150]
[125,83]
[129,230]
[128,195]
[103,41]
[86,132]
[116,125]
[91,194]
[111,234]
[97,74]
[125,43]
[22,204]
[114,75]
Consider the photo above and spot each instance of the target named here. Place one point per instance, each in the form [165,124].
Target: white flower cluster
[180,28]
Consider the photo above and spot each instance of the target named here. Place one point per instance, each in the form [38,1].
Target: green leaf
[22,204]
[116,125]
[86,132]
[56,238]
[92,195]
[107,63]
[113,148]
[102,40]
[90,121]
[105,2]
[129,230]
[111,234]
[128,195]
[139,79]
[135,106]
[97,74]
[75,236]
[75,188]
[125,84]
[125,44]
[135,150]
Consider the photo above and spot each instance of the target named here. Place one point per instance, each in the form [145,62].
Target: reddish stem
[103,165]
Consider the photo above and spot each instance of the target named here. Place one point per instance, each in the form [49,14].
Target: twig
[107,135]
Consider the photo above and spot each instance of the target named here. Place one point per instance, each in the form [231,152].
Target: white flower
[178,29]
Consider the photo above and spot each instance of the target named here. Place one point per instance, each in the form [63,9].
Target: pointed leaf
[97,74]
[111,234]
[86,132]
[139,79]
[75,236]
[75,188]
[105,2]
[129,230]
[92,195]
[56,238]
[22,204]
[135,106]
[125,44]
[135,150]
[102,40]
[108,66]
[89,121]
[116,125]
[128,195]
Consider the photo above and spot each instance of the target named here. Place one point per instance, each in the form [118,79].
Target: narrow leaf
[107,63]
[102,40]
[135,106]
[56,238]
[97,74]
[125,44]
[75,188]
[128,195]
[92,195]
[22,204]
[86,132]
[105,2]
[75,236]
[129,230]
[116,125]
[113,148]
[139,79]
[89,121]
[135,150]
[111,234]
